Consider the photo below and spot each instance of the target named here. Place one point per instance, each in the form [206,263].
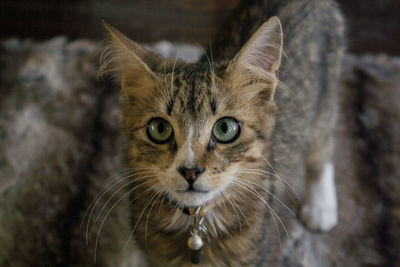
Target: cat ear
[131,61]
[258,61]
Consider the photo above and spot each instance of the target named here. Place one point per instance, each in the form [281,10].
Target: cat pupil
[224,127]
[160,127]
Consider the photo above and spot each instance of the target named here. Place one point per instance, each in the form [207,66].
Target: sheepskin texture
[61,144]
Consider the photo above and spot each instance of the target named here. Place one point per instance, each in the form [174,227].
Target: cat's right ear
[130,61]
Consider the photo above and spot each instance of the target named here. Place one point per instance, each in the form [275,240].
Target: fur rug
[60,144]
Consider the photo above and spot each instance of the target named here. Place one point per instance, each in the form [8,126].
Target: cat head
[194,129]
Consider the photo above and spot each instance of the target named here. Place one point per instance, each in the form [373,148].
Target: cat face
[196,121]
[194,128]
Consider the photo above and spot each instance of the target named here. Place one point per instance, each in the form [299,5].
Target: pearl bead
[195,242]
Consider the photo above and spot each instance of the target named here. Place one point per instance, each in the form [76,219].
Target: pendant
[195,244]
[195,241]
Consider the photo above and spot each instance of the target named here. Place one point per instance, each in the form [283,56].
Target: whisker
[140,216]
[269,192]
[283,180]
[205,53]
[237,215]
[262,173]
[240,210]
[163,87]
[100,195]
[161,203]
[172,75]
[211,64]
[112,196]
[147,220]
[99,213]
[109,211]
[221,194]
[125,172]
[244,195]
[269,206]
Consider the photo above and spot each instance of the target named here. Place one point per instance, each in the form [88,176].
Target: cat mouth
[190,197]
[178,204]
[192,190]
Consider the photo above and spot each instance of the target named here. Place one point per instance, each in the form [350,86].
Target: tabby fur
[285,139]
[59,206]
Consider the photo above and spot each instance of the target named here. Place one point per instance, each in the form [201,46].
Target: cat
[242,138]
[230,137]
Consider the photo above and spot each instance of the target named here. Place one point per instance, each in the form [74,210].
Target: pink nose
[191,174]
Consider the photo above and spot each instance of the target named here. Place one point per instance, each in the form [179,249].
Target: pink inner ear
[272,58]
[263,50]
[253,72]
[265,57]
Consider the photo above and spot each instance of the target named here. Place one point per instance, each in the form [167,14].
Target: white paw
[318,217]
[320,211]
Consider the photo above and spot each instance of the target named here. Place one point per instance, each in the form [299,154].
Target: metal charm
[195,241]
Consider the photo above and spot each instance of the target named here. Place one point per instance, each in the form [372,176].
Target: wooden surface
[143,20]
[374,26]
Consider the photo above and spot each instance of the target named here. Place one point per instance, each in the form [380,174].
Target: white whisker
[264,172]
[269,206]
[238,207]
[96,199]
[148,216]
[100,195]
[109,211]
[161,202]
[140,216]
[269,192]
[283,180]
[237,215]
[112,196]
[241,186]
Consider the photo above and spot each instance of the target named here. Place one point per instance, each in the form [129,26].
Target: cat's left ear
[257,63]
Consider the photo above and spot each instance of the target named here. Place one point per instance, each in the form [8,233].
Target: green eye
[226,130]
[159,130]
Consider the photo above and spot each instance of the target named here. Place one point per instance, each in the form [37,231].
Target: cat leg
[320,211]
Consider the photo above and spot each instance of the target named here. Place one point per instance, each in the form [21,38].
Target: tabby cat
[222,137]
[224,156]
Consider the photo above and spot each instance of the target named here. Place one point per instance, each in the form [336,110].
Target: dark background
[373,26]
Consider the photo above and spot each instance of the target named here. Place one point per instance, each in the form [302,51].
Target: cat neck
[165,229]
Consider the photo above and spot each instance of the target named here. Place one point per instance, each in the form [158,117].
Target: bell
[195,242]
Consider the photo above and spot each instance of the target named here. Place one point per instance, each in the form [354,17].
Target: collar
[191,211]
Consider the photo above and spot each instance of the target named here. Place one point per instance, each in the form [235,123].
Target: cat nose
[191,174]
